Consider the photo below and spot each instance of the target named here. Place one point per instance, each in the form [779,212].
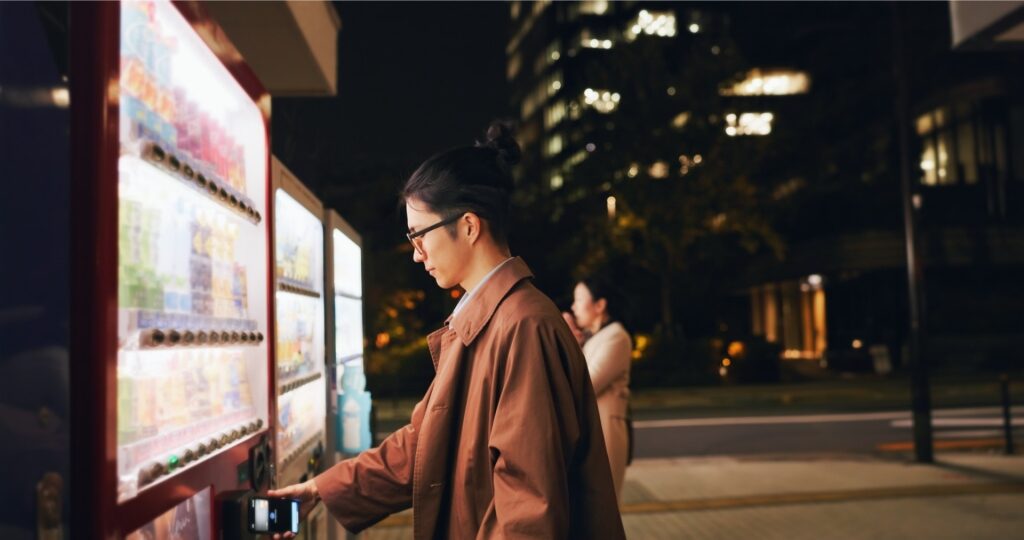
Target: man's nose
[416,255]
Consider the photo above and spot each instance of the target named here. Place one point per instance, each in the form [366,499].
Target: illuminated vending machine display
[349,425]
[188,384]
[299,328]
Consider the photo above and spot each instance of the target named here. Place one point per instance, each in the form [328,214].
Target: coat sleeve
[608,362]
[532,437]
[361,491]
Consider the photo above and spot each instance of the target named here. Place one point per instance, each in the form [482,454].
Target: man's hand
[307,495]
[576,332]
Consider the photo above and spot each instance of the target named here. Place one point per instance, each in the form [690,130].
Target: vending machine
[301,387]
[348,426]
[171,301]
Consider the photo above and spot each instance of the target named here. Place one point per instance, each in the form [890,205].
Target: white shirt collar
[465,297]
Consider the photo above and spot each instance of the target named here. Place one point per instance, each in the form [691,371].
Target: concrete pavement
[962,495]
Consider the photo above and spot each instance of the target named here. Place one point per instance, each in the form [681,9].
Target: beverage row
[299,335]
[164,390]
[298,241]
[300,417]
[348,327]
[155,104]
[179,258]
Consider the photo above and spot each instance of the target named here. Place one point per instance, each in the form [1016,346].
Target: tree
[688,197]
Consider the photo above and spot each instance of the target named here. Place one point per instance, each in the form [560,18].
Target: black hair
[474,179]
[601,286]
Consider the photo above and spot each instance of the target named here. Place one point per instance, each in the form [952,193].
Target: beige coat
[506,443]
[608,354]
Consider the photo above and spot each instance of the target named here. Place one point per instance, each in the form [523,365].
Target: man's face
[443,257]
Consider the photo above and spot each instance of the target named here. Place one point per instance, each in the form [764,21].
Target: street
[817,433]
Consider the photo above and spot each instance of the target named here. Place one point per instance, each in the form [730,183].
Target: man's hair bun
[501,138]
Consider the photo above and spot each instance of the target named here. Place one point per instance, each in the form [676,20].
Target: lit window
[603,101]
[749,123]
[593,7]
[776,82]
[652,23]
[679,122]
[554,114]
[611,202]
[554,145]
[514,6]
[513,65]
[575,159]
[557,181]
[590,41]
[553,52]
[554,83]
[550,56]
[658,169]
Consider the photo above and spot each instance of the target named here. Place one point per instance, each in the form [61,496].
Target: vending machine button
[201,337]
[188,337]
[214,337]
[225,337]
[173,337]
[187,172]
[201,180]
[235,337]
[173,462]
[189,456]
[244,336]
[157,337]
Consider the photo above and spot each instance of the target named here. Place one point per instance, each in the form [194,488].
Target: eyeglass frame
[412,236]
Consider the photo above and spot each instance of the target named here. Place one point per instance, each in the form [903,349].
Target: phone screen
[273,515]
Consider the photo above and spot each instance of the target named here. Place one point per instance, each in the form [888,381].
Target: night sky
[413,79]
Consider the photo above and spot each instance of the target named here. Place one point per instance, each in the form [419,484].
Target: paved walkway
[966,495]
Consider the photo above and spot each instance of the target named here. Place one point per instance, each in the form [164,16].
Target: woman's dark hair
[601,286]
[474,179]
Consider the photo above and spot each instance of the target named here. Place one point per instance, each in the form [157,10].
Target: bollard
[1004,383]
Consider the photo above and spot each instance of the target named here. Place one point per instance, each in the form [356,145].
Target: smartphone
[272,515]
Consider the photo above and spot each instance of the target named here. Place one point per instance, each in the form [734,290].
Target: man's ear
[473,228]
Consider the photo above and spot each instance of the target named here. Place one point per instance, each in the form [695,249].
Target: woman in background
[608,349]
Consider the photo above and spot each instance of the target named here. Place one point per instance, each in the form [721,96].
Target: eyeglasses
[416,238]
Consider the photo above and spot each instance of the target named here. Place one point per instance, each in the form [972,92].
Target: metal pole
[1004,383]
[919,393]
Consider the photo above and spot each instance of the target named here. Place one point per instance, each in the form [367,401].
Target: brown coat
[506,443]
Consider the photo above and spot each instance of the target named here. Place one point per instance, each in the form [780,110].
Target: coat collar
[477,312]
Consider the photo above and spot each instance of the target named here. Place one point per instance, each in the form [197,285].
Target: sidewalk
[972,495]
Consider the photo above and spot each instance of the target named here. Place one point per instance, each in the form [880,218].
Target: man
[507,442]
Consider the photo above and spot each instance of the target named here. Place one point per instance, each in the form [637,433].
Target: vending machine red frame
[94,82]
